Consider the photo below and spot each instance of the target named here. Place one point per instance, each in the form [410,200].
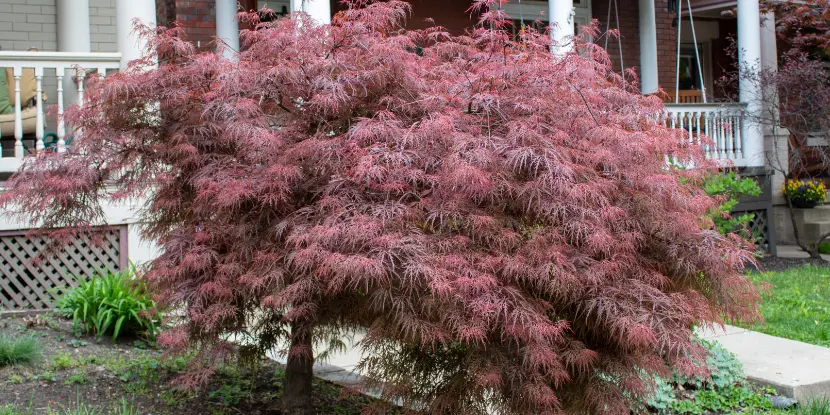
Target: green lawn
[798,304]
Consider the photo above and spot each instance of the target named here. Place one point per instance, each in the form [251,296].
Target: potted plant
[805,194]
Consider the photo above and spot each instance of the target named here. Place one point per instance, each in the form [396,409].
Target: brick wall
[198,19]
[666,45]
[26,24]
[630,36]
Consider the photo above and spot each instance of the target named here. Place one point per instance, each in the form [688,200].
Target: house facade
[44,42]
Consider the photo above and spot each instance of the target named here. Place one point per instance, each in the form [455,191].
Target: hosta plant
[113,304]
[501,224]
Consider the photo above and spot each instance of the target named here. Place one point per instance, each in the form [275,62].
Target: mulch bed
[34,389]
[775,264]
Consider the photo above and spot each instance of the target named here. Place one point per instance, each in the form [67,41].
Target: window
[531,10]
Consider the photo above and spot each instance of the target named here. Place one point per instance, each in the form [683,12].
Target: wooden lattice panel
[758,227]
[30,280]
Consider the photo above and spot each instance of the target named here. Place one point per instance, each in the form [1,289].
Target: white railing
[721,122]
[68,68]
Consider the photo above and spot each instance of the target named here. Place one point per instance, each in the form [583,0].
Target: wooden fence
[30,280]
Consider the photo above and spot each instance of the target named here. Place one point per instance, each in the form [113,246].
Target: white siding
[26,24]
[102,26]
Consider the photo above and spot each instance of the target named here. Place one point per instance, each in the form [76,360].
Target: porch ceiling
[709,8]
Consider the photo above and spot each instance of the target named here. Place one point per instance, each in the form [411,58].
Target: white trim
[538,10]
[52,59]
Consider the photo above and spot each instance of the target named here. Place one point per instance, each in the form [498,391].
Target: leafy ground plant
[797,306]
[113,304]
[726,390]
[19,350]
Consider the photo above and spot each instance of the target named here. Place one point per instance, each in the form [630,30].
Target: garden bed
[126,377]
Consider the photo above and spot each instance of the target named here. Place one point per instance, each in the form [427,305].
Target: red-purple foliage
[503,223]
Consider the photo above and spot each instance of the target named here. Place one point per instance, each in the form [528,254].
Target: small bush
[113,304]
[731,188]
[19,350]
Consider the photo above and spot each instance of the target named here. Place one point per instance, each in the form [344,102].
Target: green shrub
[731,187]
[19,350]
[824,248]
[113,304]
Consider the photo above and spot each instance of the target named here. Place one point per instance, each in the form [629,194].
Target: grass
[19,350]
[797,306]
[819,406]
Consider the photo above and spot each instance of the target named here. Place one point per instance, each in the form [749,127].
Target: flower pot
[805,204]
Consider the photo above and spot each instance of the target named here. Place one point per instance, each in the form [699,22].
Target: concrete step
[815,230]
[796,370]
[815,215]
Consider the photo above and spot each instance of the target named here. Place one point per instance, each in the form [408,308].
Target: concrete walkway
[796,370]
[794,251]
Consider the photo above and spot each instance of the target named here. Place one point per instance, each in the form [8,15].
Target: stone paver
[795,369]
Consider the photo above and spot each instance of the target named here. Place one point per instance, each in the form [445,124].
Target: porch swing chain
[619,38]
[697,53]
[521,15]
[677,71]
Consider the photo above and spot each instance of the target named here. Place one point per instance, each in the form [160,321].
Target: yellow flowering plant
[805,191]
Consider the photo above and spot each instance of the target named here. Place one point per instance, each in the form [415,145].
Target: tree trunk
[811,249]
[298,373]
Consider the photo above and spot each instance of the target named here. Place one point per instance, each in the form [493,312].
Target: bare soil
[103,375]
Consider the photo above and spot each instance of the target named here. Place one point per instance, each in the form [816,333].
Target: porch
[61,75]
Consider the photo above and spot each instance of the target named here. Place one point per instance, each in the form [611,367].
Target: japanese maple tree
[501,224]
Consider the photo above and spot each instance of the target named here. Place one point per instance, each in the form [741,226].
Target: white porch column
[318,10]
[561,14]
[73,25]
[227,28]
[129,43]
[649,82]
[73,36]
[769,48]
[776,139]
[749,57]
